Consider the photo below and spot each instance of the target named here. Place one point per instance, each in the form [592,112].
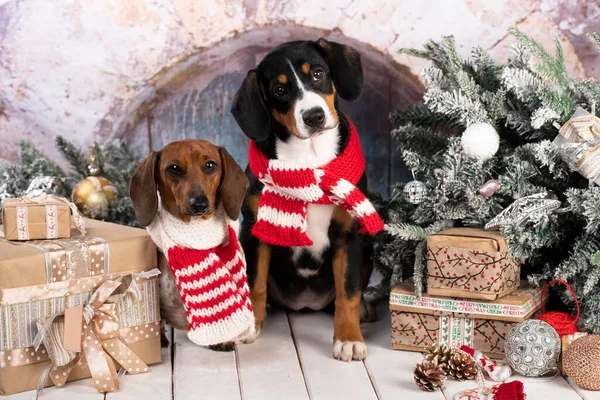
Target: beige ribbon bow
[98,342]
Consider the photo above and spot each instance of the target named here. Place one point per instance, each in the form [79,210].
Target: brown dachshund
[192,177]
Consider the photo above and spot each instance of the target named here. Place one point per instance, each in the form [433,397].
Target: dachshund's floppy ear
[346,68]
[250,111]
[234,183]
[142,190]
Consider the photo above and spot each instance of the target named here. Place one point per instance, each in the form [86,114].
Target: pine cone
[429,376]
[441,352]
[462,367]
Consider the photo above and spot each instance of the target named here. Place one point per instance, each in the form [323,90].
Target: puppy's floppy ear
[250,111]
[346,68]
[142,190]
[234,183]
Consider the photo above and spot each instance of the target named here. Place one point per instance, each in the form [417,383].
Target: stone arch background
[195,100]
[94,70]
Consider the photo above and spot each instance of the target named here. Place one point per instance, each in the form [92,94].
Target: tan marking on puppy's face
[330,101]
[288,120]
[282,79]
[306,68]
[189,168]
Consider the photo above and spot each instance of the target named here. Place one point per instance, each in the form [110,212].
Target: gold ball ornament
[94,196]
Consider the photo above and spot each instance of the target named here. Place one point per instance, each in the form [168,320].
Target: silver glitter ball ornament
[532,348]
[415,192]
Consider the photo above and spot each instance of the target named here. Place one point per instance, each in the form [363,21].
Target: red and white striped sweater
[210,269]
[282,211]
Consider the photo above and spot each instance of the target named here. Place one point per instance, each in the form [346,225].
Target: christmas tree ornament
[523,209]
[415,191]
[462,367]
[581,362]
[93,168]
[497,370]
[429,376]
[577,144]
[489,188]
[505,391]
[532,348]
[43,185]
[480,141]
[564,323]
[439,352]
[94,195]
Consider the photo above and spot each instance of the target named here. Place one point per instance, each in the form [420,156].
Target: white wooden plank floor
[291,360]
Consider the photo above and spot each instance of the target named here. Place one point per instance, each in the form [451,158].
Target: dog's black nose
[314,118]
[198,204]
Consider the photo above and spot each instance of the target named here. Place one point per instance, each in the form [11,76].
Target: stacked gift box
[474,295]
[75,306]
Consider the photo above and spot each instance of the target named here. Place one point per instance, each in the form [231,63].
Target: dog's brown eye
[318,74]
[210,166]
[175,170]
[279,90]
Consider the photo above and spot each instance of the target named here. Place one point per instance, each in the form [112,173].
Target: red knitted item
[281,218]
[564,323]
[509,391]
[214,290]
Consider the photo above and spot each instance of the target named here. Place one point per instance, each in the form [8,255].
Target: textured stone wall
[91,69]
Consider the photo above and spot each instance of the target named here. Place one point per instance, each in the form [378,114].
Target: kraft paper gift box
[480,324]
[471,263]
[112,272]
[41,217]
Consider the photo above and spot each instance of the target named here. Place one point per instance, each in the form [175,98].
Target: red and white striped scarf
[212,281]
[281,218]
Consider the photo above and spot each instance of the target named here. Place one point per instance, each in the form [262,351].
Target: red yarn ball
[564,323]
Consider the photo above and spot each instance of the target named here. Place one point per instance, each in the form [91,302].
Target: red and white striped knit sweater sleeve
[214,290]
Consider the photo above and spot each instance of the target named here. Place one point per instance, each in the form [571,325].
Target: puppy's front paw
[227,346]
[251,338]
[349,350]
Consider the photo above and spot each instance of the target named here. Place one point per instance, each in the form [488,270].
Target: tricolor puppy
[189,196]
[305,208]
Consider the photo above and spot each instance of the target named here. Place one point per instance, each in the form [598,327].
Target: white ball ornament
[480,141]
[532,347]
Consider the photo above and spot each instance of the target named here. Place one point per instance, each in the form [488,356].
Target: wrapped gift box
[42,217]
[483,325]
[470,263]
[44,278]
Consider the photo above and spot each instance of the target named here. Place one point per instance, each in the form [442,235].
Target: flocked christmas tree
[482,122]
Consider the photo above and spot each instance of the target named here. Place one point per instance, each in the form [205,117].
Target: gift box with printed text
[41,217]
[471,263]
[483,325]
[78,307]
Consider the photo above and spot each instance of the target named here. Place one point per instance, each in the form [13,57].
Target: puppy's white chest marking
[312,153]
[309,153]
[318,219]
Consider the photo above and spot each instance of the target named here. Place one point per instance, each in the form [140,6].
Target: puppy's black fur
[264,109]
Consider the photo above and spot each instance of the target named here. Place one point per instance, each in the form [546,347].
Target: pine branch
[595,39]
[74,156]
[415,232]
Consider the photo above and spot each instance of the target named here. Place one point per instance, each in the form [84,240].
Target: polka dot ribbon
[100,339]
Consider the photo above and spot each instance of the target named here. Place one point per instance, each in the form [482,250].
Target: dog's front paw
[227,346]
[251,338]
[349,350]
